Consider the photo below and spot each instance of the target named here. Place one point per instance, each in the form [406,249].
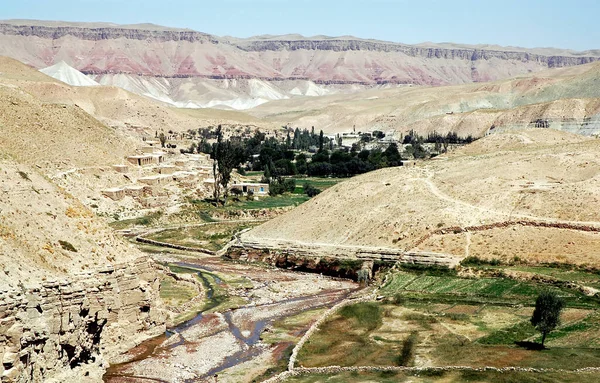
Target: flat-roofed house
[254,188]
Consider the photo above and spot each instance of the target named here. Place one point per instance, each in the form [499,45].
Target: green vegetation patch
[509,335]
[435,376]
[146,220]
[67,246]
[367,315]
[175,293]
[453,289]
[217,298]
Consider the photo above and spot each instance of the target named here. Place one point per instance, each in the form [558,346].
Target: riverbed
[242,344]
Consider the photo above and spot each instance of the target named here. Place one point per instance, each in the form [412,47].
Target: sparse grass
[146,220]
[366,315]
[211,237]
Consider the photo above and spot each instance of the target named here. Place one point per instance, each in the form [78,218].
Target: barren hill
[191,68]
[532,194]
[110,105]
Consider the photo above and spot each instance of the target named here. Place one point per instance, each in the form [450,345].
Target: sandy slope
[540,175]
[35,215]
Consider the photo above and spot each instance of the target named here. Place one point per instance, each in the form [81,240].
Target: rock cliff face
[339,45]
[67,329]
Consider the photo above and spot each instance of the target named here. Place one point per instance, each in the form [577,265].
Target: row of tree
[277,158]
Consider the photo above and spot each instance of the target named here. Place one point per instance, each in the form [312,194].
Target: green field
[450,288]
[437,319]
[318,182]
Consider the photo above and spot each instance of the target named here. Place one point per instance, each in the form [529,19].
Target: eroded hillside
[565,99]
[72,294]
[26,89]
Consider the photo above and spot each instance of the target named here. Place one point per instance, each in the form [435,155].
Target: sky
[570,24]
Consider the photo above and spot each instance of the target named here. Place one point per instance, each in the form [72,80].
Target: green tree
[546,315]
[163,139]
[321,141]
[227,155]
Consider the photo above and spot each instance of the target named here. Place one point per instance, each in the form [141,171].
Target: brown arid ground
[67,282]
[36,216]
[541,176]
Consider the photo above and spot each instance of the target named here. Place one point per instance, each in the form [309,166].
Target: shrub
[24,175]
[67,246]
[282,185]
[476,261]
[310,190]
[363,275]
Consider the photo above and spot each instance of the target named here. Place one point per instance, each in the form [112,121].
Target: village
[154,170]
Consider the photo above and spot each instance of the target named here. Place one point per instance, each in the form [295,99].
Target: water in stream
[198,352]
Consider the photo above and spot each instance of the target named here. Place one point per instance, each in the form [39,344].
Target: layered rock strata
[69,329]
[175,53]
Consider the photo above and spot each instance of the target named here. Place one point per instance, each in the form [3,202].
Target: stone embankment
[336,260]
[173,246]
[338,369]
[67,330]
[504,224]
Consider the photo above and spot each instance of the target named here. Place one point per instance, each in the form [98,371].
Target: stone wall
[504,224]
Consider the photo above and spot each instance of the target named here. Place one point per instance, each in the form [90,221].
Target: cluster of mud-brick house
[153,168]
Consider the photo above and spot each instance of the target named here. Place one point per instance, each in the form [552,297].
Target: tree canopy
[546,315]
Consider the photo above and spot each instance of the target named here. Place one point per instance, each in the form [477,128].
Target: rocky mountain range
[193,69]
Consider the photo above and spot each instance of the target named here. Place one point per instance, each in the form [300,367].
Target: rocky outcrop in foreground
[66,330]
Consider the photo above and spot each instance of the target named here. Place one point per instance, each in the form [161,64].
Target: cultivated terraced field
[435,319]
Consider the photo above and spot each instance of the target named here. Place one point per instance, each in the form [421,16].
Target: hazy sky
[527,23]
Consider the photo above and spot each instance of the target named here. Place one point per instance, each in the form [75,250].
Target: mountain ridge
[150,27]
